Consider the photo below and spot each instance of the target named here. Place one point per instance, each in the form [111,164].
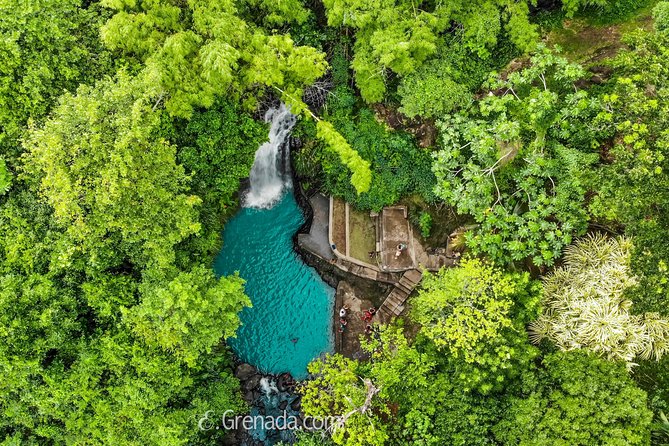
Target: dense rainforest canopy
[126,127]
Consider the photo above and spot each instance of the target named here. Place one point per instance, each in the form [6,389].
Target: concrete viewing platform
[316,241]
[380,247]
[376,246]
[383,242]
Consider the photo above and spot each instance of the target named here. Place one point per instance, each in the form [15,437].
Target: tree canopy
[635,118]
[108,335]
[515,161]
[580,401]
[479,314]
[537,175]
[46,47]
[398,36]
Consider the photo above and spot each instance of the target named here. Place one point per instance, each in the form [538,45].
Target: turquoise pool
[290,322]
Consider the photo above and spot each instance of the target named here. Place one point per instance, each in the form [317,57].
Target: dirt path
[348,342]
[588,43]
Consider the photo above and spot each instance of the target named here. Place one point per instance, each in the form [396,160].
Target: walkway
[394,303]
[319,242]
[371,241]
[316,240]
[348,341]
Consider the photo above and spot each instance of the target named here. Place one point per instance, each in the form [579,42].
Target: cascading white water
[268,387]
[267,177]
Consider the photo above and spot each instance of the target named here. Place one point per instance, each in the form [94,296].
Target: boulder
[251,382]
[285,382]
[245,371]
[231,439]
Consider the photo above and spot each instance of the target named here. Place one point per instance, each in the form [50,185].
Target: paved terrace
[395,230]
[376,248]
[330,239]
[316,240]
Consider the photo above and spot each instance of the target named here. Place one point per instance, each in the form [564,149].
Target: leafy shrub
[425,224]
[603,12]
[431,93]
[308,33]
[515,163]
[217,147]
[445,83]
[578,399]
[341,100]
[661,16]
[5,177]
[398,166]
[572,6]
[339,65]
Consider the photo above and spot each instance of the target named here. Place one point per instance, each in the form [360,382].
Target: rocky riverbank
[268,396]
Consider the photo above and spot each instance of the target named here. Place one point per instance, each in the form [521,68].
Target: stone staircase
[394,303]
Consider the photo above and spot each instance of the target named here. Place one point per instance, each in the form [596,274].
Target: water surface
[290,322]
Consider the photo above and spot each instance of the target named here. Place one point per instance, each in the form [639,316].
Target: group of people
[367,317]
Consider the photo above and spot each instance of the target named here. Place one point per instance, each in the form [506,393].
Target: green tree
[447,82]
[431,94]
[115,186]
[362,176]
[579,400]
[633,185]
[416,383]
[338,390]
[517,161]
[398,36]
[412,385]
[103,338]
[190,314]
[275,14]
[216,147]
[397,166]
[46,47]
[478,314]
[72,374]
[196,50]
[661,16]
[5,177]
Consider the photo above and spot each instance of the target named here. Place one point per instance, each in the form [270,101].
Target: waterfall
[269,174]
